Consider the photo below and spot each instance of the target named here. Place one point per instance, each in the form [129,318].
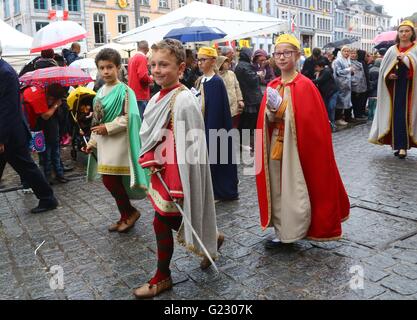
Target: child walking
[115,136]
[181,163]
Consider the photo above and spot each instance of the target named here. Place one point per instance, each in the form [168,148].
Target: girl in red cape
[300,191]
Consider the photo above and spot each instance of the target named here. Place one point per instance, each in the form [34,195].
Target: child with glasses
[300,192]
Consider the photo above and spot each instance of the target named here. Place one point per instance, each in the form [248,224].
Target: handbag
[37,143]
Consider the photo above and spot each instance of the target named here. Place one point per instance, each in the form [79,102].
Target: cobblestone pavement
[380,238]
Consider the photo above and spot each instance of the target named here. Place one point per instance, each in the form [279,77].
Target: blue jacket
[70,56]
[13,126]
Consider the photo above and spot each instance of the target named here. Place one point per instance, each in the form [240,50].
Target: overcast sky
[398,8]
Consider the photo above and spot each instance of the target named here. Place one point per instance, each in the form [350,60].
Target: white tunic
[112,149]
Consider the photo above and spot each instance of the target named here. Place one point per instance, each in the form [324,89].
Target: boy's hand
[86,150]
[100,130]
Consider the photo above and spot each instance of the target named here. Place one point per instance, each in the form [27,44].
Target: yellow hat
[288,38]
[207,51]
[406,23]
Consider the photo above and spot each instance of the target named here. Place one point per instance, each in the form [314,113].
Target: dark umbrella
[195,34]
[384,44]
[340,43]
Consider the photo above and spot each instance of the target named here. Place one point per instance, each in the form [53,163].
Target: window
[40,4]
[6,9]
[123,24]
[99,34]
[16,7]
[143,20]
[182,3]
[40,25]
[163,3]
[144,3]
[57,4]
[73,5]
[19,27]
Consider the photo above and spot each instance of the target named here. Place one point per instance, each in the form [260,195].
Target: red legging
[115,186]
[163,226]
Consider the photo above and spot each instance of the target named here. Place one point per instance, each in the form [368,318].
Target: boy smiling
[175,111]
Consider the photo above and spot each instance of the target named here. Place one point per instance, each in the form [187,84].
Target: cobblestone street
[380,238]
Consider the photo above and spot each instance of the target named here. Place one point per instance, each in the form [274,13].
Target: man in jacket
[14,139]
[139,79]
[249,83]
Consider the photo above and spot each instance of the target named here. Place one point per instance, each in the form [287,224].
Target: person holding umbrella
[115,135]
[15,136]
[395,121]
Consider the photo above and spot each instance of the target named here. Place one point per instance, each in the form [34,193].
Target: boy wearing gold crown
[395,121]
[300,191]
[217,116]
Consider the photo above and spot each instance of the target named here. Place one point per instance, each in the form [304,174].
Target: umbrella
[384,44]
[340,43]
[75,95]
[385,36]
[57,34]
[88,65]
[65,76]
[195,34]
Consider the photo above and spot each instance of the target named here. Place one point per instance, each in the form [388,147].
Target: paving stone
[380,236]
[400,285]
[406,270]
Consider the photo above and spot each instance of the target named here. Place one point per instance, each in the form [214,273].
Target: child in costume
[115,136]
[300,191]
[181,163]
[395,121]
[217,116]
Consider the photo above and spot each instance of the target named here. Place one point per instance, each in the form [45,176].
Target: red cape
[329,201]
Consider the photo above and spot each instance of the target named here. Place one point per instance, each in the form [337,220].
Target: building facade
[31,15]
[314,22]
[362,20]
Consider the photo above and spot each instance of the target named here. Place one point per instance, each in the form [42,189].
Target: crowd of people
[139,127]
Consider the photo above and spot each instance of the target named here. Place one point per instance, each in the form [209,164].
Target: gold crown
[207,51]
[288,38]
[406,23]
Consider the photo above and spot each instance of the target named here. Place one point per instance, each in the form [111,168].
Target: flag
[58,14]
[293,24]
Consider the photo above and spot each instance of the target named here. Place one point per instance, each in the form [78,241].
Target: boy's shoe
[114,227]
[133,218]
[152,290]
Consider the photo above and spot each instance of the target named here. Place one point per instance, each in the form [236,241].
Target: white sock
[276,240]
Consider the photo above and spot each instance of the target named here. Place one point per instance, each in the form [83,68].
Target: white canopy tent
[235,23]
[16,46]
[14,42]
[124,50]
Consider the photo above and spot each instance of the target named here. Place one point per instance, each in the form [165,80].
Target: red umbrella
[65,76]
[385,36]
